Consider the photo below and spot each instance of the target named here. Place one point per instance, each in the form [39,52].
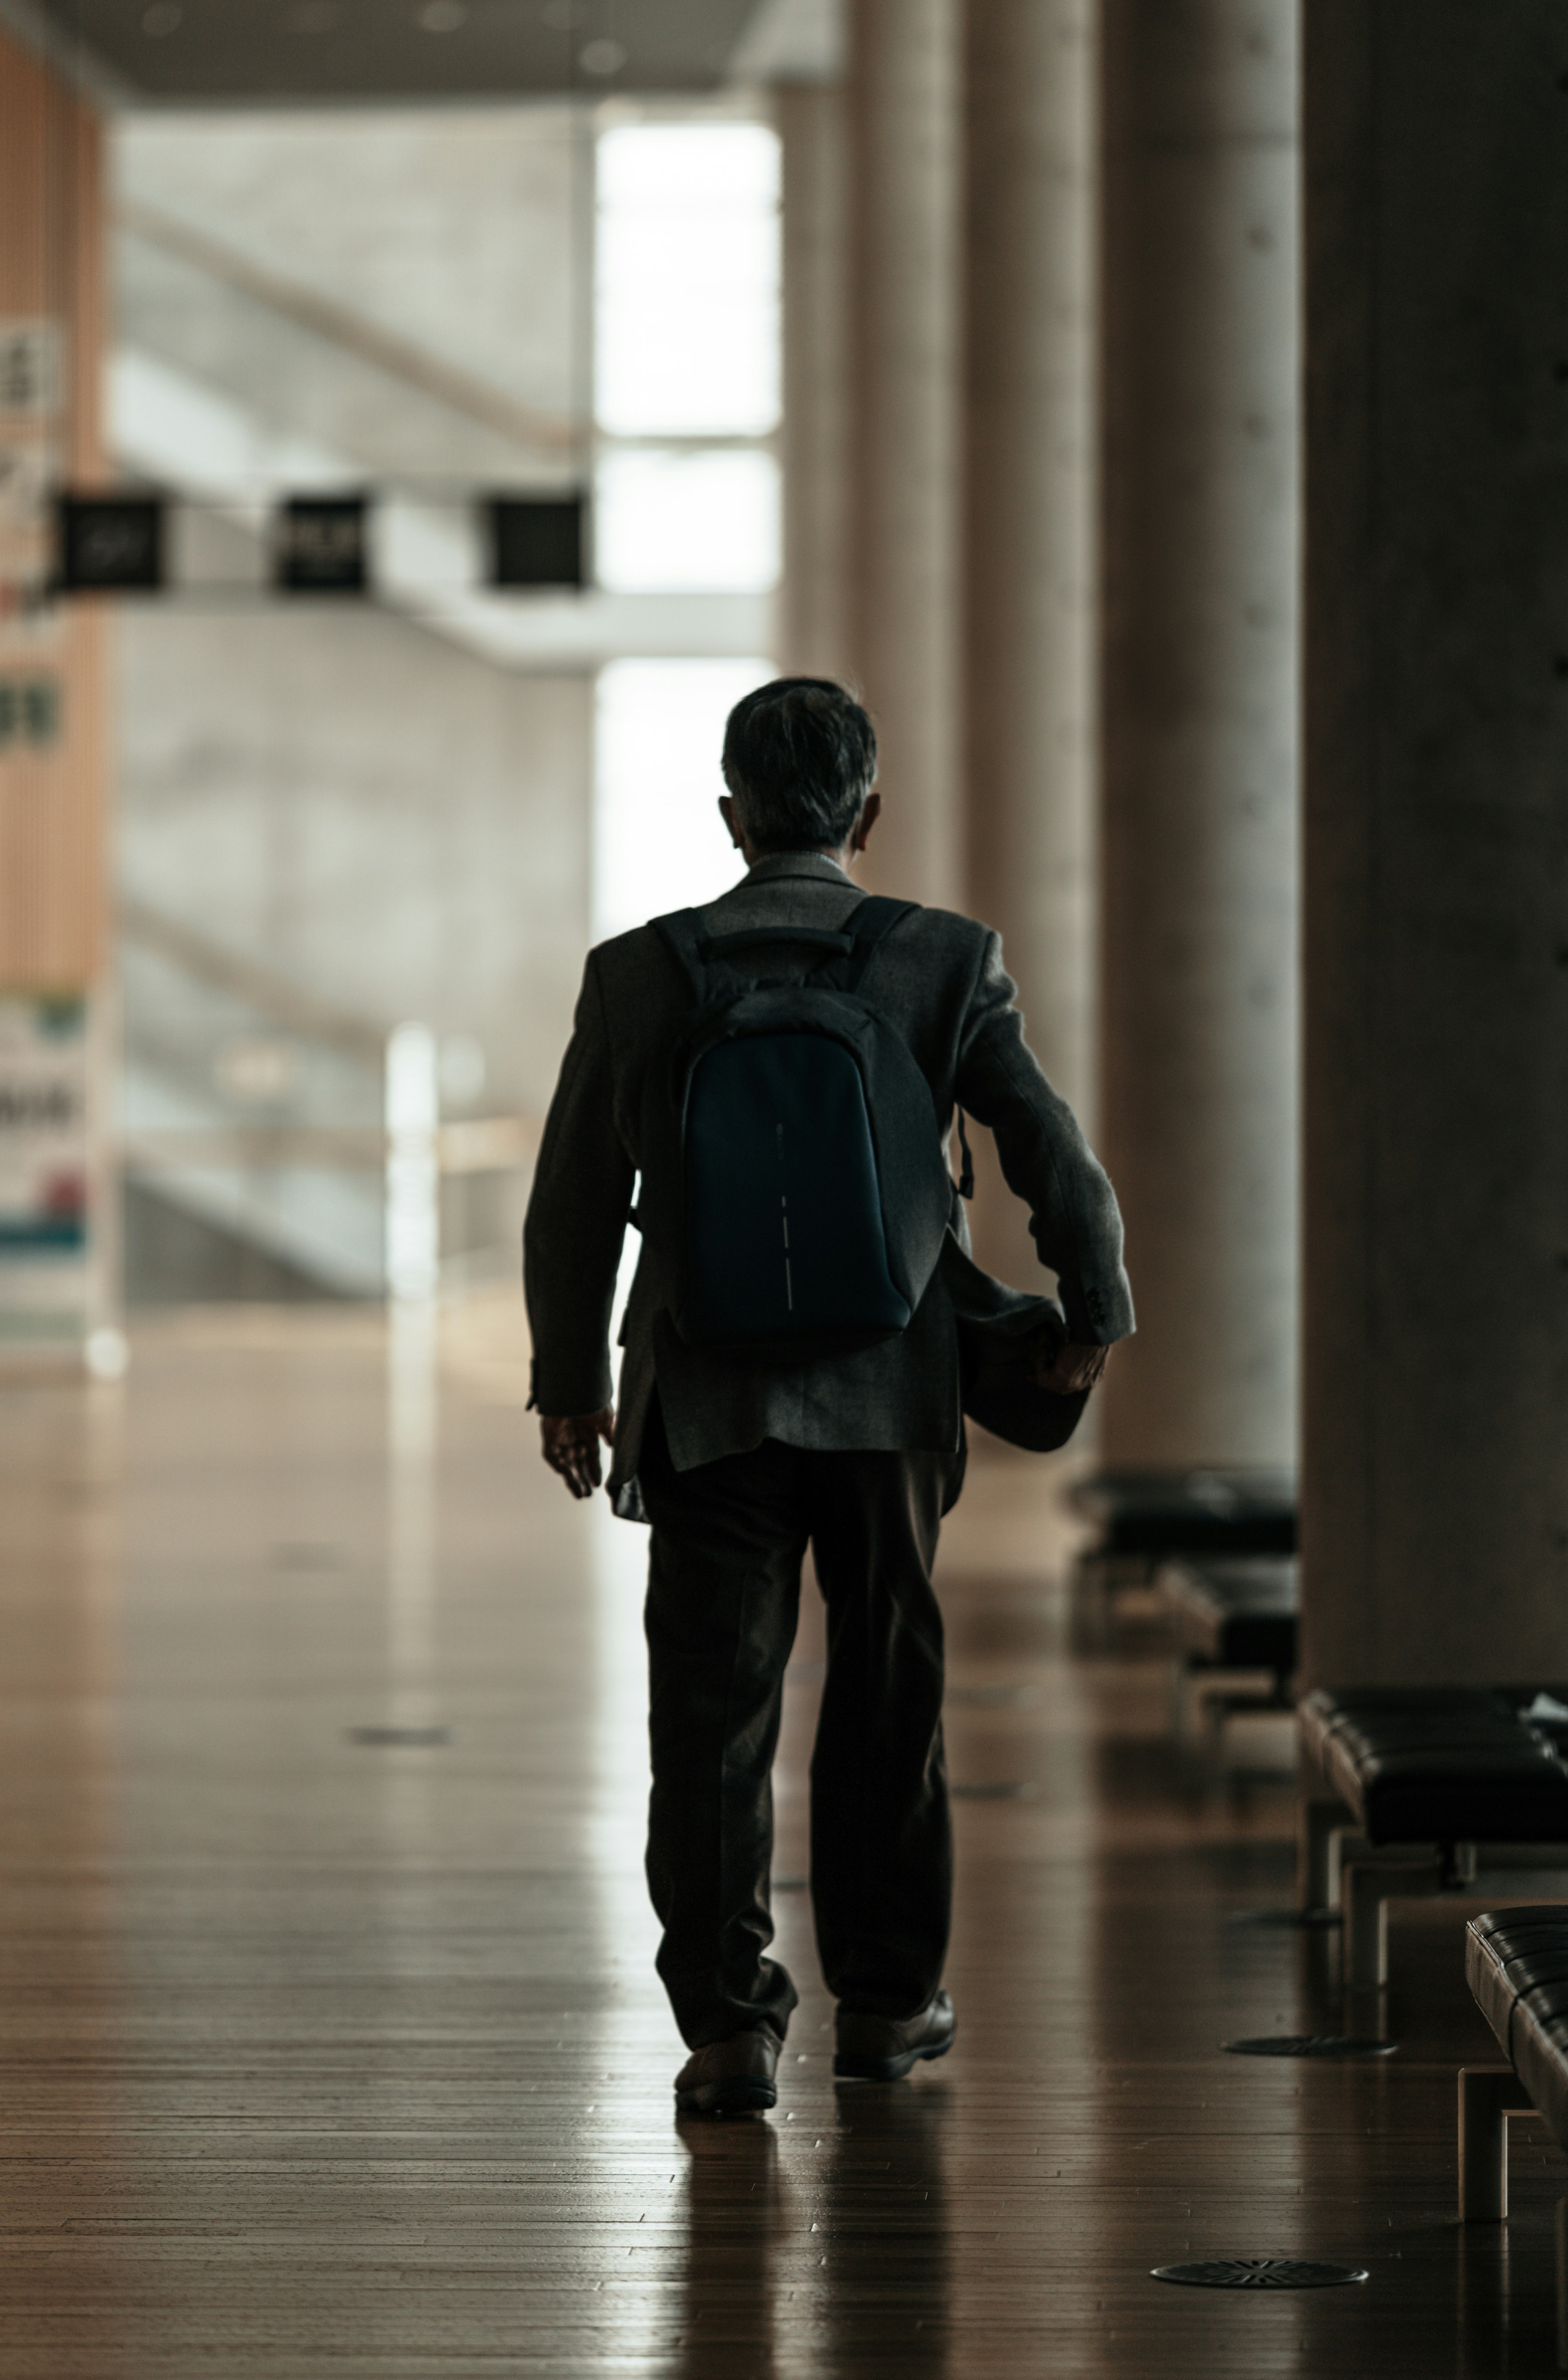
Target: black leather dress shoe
[883,2048]
[729,2077]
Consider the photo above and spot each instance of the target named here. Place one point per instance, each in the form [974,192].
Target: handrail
[502,1144]
[411,1149]
[257,986]
[390,353]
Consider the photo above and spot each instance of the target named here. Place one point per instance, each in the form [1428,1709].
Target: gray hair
[800,757]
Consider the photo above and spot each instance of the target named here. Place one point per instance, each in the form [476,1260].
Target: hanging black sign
[320,546]
[537,541]
[105,544]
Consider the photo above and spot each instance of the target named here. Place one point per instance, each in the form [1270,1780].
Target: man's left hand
[570,1445]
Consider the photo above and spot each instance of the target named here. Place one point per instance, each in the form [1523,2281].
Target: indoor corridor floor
[330,2042]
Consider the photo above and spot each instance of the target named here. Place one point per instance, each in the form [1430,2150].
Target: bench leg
[1204,1700]
[1182,1696]
[1092,1603]
[1364,1901]
[1214,1709]
[1487,2096]
[1320,1824]
[1099,1580]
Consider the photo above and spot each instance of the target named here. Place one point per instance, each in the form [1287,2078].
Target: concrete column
[1029,694]
[1198,720]
[904,453]
[1434,1491]
[814,604]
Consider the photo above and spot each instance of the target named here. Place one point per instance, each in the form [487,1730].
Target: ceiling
[316,52]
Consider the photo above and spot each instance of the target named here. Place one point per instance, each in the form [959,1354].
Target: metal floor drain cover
[400,1735]
[1310,2045]
[1312,1918]
[1014,1792]
[1259,2273]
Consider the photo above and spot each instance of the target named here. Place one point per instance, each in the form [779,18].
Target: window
[687,328]
[687,502]
[687,281]
[682,520]
[659,842]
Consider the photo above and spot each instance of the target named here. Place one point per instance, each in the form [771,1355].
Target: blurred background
[421,419]
[420,806]
[349,841]
[424,418]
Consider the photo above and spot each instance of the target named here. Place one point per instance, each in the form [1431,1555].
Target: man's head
[800,757]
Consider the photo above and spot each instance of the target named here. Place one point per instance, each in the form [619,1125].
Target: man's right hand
[569,1443]
[1066,1367]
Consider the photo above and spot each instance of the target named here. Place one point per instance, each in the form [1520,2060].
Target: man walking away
[780,1071]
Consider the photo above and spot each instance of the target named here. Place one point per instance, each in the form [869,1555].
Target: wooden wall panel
[53,828]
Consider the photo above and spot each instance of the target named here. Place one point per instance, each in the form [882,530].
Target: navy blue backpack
[804,1198]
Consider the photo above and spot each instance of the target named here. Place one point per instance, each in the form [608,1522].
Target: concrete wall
[463,234]
[399,828]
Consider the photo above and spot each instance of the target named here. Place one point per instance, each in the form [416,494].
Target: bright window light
[659,842]
[668,519]
[687,281]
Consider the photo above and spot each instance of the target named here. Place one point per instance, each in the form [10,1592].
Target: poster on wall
[47,1271]
[31,392]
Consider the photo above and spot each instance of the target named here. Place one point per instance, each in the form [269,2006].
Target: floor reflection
[822,2251]
[886,2276]
[61,1989]
[325,2055]
[734,2223]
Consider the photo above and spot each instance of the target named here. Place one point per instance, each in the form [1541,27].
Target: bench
[1233,1631]
[1403,1788]
[1517,1965]
[1146,1518]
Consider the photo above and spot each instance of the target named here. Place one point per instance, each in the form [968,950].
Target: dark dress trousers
[739,1469]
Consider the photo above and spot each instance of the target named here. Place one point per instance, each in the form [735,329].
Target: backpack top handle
[724,946]
[857,938]
[852,945]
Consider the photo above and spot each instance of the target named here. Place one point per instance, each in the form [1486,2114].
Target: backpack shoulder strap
[681,933]
[868,926]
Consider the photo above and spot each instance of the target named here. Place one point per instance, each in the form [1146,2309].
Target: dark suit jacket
[940,979]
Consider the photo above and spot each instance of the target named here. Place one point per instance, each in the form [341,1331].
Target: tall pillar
[1435,1490]
[1198,720]
[1030,599]
[813,635]
[904,457]
[53,722]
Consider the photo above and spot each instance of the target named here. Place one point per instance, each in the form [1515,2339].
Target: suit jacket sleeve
[1045,1159]
[577,1221]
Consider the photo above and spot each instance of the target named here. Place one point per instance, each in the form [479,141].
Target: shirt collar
[774,864]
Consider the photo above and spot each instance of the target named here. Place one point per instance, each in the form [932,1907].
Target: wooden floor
[325,2055]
